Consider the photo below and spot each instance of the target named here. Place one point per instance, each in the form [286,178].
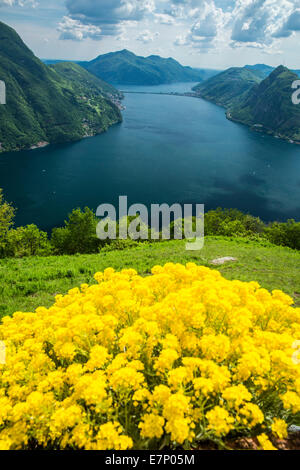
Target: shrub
[167,360]
[287,234]
[231,222]
[7,214]
[78,235]
[27,241]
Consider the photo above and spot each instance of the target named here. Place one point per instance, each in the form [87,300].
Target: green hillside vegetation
[224,88]
[265,104]
[124,67]
[263,69]
[43,105]
[28,283]
[83,80]
[268,106]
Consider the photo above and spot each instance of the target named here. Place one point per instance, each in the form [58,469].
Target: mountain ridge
[126,68]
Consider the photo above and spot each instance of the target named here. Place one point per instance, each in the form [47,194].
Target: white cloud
[202,25]
[147,36]
[236,23]
[290,26]
[258,22]
[164,18]
[76,31]
[20,3]
[109,14]
[181,40]
[207,29]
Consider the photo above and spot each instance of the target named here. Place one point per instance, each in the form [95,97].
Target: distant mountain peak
[125,52]
[126,68]
[279,70]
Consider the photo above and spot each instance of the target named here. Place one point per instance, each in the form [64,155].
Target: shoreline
[44,144]
[262,130]
[254,127]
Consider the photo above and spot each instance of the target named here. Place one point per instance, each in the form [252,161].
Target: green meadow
[28,283]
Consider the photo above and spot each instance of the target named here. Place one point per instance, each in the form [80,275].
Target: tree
[78,235]
[7,213]
[27,241]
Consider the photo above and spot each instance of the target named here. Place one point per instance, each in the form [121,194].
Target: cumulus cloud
[291,25]
[76,31]
[251,22]
[108,14]
[260,22]
[147,36]
[200,24]
[163,18]
[207,27]
[20,3]
[238,23]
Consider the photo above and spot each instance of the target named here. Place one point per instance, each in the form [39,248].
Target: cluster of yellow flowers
[171,359]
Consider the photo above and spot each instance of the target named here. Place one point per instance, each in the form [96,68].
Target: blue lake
[168,149]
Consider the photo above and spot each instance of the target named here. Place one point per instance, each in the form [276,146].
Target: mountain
[47,104]
[224,88]
[265,70]
[124,67]
[268,106]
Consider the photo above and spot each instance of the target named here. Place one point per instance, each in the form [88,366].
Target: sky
[201,33]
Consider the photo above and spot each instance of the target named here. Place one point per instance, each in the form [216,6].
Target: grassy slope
[30,282]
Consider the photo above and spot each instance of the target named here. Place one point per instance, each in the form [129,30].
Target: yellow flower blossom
[219,421]
[152,426]
[279,428]
[179,354]
[265,443]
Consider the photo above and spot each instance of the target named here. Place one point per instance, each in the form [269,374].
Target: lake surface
[168,149]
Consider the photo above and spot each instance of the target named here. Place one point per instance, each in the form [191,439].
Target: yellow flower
[279,427]
[265,443]
[154,353]
[166,359]
[98,357]
[152,426]
[110,437]
[251,415]
[291,401]
[219,421]
[160,394]
[237,395]
[5,444]
[180,430]
[126,378]
[63,419]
